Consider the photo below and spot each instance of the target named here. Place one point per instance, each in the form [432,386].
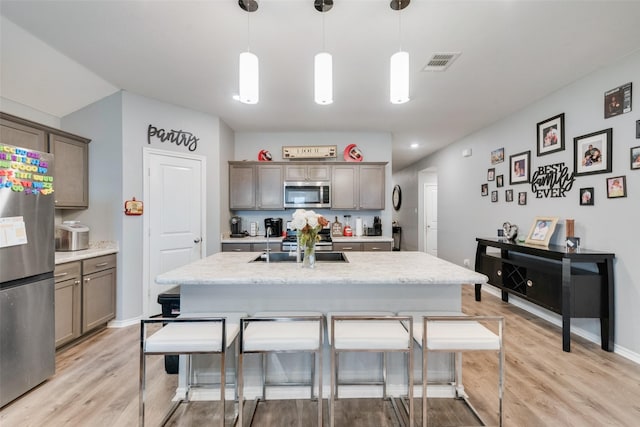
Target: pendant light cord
[248,33]
[400,23]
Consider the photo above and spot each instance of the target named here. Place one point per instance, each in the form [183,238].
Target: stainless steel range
[290,242]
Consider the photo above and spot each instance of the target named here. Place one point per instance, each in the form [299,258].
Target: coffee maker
[236,227]
[276,226]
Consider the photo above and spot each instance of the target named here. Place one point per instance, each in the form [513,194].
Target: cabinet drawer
[545,289]
[347,247]
[262,247]
[492,268]
[236,247]
[67,271]
[376,246]
[98,264]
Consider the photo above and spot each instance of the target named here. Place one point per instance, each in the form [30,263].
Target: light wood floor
[96,384]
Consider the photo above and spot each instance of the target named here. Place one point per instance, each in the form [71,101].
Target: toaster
[72,236]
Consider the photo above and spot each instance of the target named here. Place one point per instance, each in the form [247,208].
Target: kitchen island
[374,281]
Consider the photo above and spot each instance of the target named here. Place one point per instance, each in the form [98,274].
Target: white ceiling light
[249,76]
[415,145]
[399,64]
[323,63]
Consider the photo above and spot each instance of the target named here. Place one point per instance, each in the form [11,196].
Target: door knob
[198,240]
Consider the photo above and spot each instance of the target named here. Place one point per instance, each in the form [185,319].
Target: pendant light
[323,63]
[399,64]
[249,76]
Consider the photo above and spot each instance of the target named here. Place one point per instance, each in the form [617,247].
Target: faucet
[268,235]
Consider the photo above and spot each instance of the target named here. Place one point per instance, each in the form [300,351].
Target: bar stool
[195,333]
[270,332]
[376,332]
[455,333]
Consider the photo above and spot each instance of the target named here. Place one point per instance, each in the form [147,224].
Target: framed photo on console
[541,230]
[551,135]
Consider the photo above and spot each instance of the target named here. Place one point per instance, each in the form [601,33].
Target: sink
[291,257]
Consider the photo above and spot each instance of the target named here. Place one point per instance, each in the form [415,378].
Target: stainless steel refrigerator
[27,259]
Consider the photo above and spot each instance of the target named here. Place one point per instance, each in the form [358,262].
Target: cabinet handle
[88,279]
[375,249]
[499,272]
[238,250]
[60,274]
[102,264]
[77,282]
[529,283]
[347,248]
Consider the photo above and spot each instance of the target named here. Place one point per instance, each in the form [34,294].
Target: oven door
[307,195]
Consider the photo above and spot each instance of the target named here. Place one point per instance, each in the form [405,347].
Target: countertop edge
[72,256]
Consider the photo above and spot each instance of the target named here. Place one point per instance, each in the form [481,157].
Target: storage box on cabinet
[98,291]
[67,302]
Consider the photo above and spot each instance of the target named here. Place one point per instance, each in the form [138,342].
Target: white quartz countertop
[95,249]
[234,268]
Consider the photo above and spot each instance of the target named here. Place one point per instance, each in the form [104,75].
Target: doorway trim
[425,176]
[146,251]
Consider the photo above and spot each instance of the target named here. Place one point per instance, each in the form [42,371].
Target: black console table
[552,277]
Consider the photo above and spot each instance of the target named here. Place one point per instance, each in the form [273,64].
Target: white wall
[608,226]
[375,147]
[118,127]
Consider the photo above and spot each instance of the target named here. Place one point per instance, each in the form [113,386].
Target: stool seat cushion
[460,335]
[368,334]
[282,335]
[189,337]
[417,320]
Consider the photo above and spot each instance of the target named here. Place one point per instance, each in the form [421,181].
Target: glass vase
[309,260]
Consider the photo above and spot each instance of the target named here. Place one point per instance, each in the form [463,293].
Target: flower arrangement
[308,224]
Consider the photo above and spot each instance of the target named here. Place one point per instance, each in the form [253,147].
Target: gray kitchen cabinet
[270,194]
[20,133]
[251,247]
[344,187]
[71,163]
[372,186]
[70,171]
[242,186]
[236,247]
[361,246]
[376,246]
[98,291]
[307,172]
[67,297]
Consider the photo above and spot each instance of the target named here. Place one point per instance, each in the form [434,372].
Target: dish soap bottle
[336,228]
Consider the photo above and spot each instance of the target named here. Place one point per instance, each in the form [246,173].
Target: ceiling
[513,52]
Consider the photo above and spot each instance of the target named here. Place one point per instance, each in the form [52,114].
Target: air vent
[440,61]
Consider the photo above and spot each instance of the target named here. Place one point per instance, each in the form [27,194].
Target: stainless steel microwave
[306,194]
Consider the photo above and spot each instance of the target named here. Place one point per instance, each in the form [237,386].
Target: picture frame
[617,101]
[637,129]
[587,196]
[522,198]
[592,153]
[520,168]
[635,157]
[491,174]
[551,135]
[541,230]
[494,196]
[508,195]
[616,187]
[484,190]
[497,156]
[500,181]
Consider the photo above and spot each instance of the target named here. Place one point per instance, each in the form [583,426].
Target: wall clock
[397,197]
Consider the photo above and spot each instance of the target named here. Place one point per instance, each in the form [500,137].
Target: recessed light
[415,145]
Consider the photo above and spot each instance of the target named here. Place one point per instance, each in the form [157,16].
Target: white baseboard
[124,323]
[556,320]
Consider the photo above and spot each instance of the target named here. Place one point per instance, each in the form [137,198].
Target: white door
[431,219]
[174,217]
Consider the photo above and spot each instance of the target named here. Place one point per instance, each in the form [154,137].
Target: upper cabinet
[253,186]
[358,186]
[22,135]
[71,161]
[259,185]
[70,171]
[307,172]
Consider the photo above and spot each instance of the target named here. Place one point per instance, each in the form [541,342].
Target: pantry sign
[25,171]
